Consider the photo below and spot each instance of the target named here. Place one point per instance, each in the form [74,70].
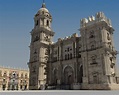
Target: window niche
[112,62]
[46,58]
[91,34]
[22,75]
[47,38]
[5,74]
[79,47]
[35,51]
[35,58]
[95,77]
[66,57]
[4,80]
[26,76]
[37,22]
[95,80]
[46,51]
[92,46]
[68,49]
[47,23]
[79,55]
[34,69]
[70,55]
[108,36]
[36,38]
[93,59]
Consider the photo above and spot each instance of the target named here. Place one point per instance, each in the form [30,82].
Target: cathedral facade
[85,62]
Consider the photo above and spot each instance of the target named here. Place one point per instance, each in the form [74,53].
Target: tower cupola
[43,18]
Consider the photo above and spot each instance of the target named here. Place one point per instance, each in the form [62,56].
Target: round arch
[67,66]
[55,76]
[80,73]
[68,75]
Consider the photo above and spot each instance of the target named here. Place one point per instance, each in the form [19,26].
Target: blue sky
[16,21]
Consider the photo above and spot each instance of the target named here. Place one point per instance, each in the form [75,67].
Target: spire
[43,1]
[43,5]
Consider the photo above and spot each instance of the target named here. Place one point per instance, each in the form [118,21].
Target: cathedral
[75,62]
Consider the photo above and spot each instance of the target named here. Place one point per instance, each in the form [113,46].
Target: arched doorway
[68,75]
[80,74]
[55,77]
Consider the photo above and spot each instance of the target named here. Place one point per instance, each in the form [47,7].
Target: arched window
[92,46]
[47,23]
[68,49]
[21,86]
[26,75]
[5,74]
[35,58]
[34,69]
[79,55]
[108,36]
[66,57]
[37,38]
[70,55]
[36,22]
[22,75]
[46,51]
[21,81]
[91,34]
[14,75]
[93,58]
[3,80]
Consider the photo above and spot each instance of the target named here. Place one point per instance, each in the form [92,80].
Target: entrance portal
[68,75]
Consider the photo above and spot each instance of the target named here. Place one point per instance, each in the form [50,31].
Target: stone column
[85,72]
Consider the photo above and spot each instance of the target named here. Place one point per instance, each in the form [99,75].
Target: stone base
[33,88]
[75,86]
[114,86]
[100,86]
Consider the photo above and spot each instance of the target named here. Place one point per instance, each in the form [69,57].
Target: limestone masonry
[13,79]
[85,62]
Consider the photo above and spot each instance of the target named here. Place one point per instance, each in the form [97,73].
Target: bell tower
[99,54]
[41,37]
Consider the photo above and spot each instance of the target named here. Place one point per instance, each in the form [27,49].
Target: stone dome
[43,9]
